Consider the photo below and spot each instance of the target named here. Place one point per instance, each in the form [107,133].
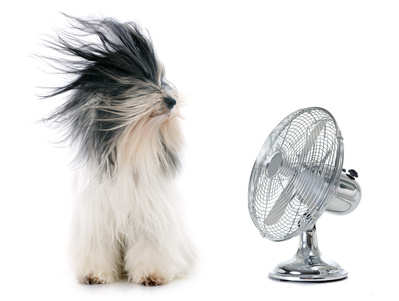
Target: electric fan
[296,177]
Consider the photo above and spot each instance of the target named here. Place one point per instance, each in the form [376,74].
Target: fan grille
[289,200]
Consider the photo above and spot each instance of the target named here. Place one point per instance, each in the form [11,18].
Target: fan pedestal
[308,264]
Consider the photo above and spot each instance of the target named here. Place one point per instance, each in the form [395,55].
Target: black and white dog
[122,118]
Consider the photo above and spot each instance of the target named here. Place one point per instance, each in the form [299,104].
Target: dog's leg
[95,251]
[161,249]
[144,265]
[152,263]
[96,263]
[95,256]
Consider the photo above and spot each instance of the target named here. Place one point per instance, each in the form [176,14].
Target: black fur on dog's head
[119,85]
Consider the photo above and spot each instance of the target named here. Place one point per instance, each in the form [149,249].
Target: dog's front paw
[101,278]
[152,280]
[149,278]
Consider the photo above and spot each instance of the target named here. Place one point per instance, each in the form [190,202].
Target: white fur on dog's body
[131,223]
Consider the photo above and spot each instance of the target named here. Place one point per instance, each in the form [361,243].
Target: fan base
[301,271]
[307,264]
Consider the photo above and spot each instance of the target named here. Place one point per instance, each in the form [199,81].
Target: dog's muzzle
[170,102]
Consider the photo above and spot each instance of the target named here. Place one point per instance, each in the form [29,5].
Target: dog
[122,119]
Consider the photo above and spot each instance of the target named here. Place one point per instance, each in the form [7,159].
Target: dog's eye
[170,102]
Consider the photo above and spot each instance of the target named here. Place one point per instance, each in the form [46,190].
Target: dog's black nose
[170,102]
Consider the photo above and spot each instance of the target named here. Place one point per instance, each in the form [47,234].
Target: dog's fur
[122,118]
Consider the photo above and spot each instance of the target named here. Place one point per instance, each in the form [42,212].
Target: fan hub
[274,164]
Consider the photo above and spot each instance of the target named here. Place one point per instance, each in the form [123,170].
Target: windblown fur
[122,118]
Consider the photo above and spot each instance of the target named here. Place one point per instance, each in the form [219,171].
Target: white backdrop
[242,66]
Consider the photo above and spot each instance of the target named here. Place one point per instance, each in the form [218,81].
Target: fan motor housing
[347,196]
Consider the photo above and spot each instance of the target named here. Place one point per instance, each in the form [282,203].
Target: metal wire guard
[295,174]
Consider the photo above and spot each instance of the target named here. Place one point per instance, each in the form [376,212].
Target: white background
[242,66]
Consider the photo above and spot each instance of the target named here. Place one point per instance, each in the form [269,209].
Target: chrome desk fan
[296,177]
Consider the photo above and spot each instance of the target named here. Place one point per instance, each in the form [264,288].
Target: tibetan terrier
[121,118]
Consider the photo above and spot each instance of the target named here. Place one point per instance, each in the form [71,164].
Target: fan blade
[279,207]
[312,139]
[288,194]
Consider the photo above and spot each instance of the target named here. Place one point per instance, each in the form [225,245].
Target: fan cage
[305,182]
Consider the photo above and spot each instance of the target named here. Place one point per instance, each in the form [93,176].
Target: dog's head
[120,103]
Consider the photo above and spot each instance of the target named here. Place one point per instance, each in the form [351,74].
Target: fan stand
[307,264]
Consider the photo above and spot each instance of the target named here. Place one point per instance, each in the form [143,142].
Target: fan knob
[353,173]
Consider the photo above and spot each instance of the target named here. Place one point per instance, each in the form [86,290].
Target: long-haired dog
[122,118]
